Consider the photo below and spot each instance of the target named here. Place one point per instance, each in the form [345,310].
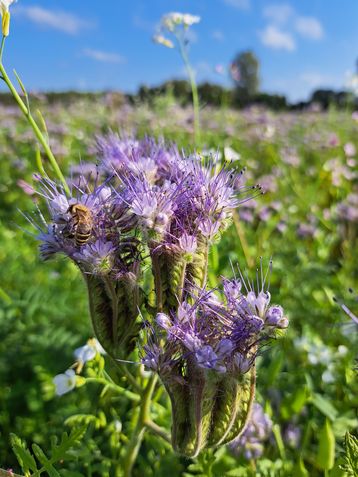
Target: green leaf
[300,470]
[350,457]
[299,399]
[21,84]
[325,406]
[326,447]
[23,455]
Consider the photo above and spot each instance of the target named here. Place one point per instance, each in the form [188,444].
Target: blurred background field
[304,153]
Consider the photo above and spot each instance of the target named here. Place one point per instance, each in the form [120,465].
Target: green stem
[194,90]
[244,245]
[32,122]
[2,47]
[138,434]
[159,431]
[123,369]
[118,389]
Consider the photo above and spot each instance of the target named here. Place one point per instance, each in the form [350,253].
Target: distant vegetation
[210,94]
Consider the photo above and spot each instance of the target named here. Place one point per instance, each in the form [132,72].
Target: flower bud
[168,266]
[114,308]
[6,23]
[209,409]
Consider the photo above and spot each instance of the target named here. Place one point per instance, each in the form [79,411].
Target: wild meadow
[198,313]
[306,221]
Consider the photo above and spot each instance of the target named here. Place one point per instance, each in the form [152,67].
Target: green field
[307,220]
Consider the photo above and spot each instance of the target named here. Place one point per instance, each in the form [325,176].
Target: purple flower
[251,442]
[223,334]
[97,257]
[207,358]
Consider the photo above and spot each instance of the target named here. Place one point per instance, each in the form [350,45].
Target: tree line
[245,91]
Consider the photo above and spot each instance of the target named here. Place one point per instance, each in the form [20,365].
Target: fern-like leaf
[59,452]
[350,456]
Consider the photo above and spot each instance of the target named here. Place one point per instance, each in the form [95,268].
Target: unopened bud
[6,23]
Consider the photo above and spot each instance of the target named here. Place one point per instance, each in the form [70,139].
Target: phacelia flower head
[224,334]
[205,351]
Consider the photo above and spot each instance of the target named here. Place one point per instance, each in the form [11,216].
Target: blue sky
[94,45]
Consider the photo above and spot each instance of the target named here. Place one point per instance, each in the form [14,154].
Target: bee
[82,223]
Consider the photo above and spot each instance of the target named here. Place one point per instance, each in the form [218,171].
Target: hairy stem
[159,431]
[194,89]
[138,434]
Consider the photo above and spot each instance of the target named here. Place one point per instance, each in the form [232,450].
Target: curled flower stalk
[205,356]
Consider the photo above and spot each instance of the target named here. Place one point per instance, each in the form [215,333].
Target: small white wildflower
[161,40]
[171,20]
[230,154]
[88,351]
[5,14]
[4,5]
[65,382]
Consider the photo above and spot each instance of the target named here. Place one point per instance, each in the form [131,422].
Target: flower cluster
[171,23]
[148,207]
[143,195]
[221,335]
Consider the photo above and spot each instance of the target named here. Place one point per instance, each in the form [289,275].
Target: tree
[245,73]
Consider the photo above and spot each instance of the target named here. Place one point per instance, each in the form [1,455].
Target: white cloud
[314,79]
[278,13]
[284,15]
[218,35]
[309,27]
[103,56]
[275,38]
[240,4]
[55,19]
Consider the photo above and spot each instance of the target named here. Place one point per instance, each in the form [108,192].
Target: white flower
[161,40]
[65,382]
[4,12]
[230,154]
[4,5]
[171,20]
[88,351]
[189,19]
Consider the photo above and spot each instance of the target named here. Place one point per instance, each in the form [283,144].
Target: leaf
[39,453]
[67,441]
[350,456]
[325,406]
[326,447]
[23,455]
[21,84]
[300,470]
